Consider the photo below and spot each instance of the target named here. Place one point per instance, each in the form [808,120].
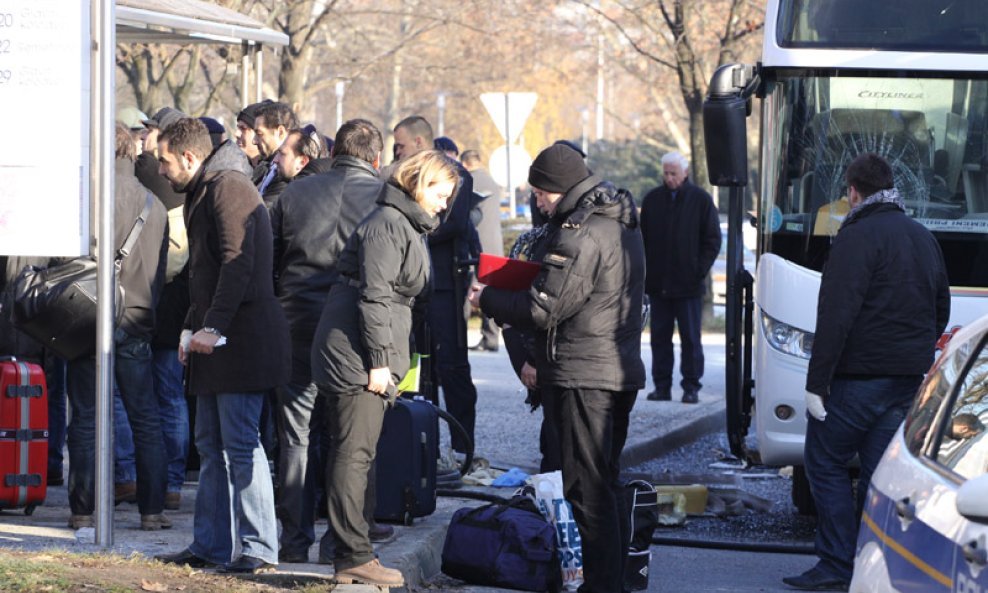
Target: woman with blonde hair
[361,346]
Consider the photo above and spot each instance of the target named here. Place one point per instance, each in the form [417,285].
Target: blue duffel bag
[503,545]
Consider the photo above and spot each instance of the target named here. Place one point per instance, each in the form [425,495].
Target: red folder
[505,273]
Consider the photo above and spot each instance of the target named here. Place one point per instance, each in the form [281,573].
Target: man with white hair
[681,229]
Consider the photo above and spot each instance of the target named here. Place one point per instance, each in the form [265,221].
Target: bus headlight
[786,338]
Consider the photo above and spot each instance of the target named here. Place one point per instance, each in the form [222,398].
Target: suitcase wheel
[407,519]
[29,509]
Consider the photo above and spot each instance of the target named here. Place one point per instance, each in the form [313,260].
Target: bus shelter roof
[189,21]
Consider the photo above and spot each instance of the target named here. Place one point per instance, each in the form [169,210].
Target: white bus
[907,79]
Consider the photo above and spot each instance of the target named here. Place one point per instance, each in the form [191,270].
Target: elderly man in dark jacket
[141,276]
[585,306]
[235,345]
[884,301]
[681,231]
[312,222]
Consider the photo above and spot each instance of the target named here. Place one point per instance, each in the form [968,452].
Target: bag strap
[135,231]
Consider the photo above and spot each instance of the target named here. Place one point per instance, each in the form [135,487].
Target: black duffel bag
[503,545]
[56,305]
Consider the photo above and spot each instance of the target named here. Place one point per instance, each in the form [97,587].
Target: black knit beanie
[557,169]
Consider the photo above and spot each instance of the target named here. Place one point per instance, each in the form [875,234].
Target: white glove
[814,405]
[184,340]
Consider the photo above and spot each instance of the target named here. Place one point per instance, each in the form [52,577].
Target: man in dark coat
[681,230]
[487,219]
[312,222]
[271,126]
[449,245]
[141,275]
[884,302]
[235,344]
[585,307]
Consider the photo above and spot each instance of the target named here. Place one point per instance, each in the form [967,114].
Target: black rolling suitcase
[406,461]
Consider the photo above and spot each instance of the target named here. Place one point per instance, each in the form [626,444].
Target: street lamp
[340,90]
[441,106]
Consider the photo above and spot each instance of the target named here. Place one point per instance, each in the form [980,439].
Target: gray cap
[165,117]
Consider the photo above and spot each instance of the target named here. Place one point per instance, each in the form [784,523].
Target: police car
[925,521]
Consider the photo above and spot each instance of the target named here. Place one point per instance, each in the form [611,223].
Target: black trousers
[688,315]
[452,367]
[593,427]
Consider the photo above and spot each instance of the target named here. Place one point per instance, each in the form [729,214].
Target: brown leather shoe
[125,492]
[371,573]
[155,522]
[173,500]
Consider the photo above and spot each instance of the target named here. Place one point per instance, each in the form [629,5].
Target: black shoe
[381,534]
[691,397]
[248,565]
[185,557]
[301,557]
[659,395]
[484,346]
[815,579]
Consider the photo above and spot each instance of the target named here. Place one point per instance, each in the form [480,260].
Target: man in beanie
[245,131]
[585,308]
[681,229]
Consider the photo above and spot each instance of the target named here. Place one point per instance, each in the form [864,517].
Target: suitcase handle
[23,480]
[25,391]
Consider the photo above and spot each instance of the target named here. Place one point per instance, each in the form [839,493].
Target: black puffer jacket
[586,302]
[884,300]
[682,239]
[368,317]
[312,222]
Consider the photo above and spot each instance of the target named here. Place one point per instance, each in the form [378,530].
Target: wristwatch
[212,330]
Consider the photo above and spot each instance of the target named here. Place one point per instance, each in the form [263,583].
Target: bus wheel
[801,497]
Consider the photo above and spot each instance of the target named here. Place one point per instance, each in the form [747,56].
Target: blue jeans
[665,314]
[235,501]
[56,414]
[174,412]
[124,465]
[132,370]
[862,417]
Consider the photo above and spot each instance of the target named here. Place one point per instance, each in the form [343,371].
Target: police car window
[963,444]
[928,408]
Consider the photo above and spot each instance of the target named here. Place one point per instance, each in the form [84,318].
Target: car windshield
[933,131]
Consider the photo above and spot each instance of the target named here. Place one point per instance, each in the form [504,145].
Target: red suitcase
[23,435]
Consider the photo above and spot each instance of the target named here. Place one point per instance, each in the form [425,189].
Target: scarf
[882,196]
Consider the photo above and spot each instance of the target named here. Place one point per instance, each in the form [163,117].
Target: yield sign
[509,111]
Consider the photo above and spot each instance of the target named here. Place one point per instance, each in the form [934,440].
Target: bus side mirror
[725,112]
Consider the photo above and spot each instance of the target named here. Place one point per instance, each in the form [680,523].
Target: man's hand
[183,346]
[203,342]
[379,380]
[529,377]
[814,405]
[475,291]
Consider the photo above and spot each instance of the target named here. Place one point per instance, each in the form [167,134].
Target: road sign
[509,111]
[520,162]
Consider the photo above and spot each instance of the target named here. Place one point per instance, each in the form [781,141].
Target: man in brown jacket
[235,344]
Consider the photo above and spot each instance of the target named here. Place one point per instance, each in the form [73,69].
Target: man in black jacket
[585,307]
[449,246]
[141,275]
[884,301]
[312,222]
[681,230]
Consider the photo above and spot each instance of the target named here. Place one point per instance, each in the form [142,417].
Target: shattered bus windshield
[933,133]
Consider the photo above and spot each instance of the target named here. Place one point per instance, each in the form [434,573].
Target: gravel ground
[781,524]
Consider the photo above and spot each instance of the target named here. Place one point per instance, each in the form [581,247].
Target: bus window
[932,132]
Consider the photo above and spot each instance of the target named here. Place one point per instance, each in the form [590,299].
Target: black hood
[395,197]
[594,196]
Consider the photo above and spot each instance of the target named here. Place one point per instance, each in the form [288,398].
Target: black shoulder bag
[56,305]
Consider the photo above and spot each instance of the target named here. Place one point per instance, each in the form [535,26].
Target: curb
[645,449]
